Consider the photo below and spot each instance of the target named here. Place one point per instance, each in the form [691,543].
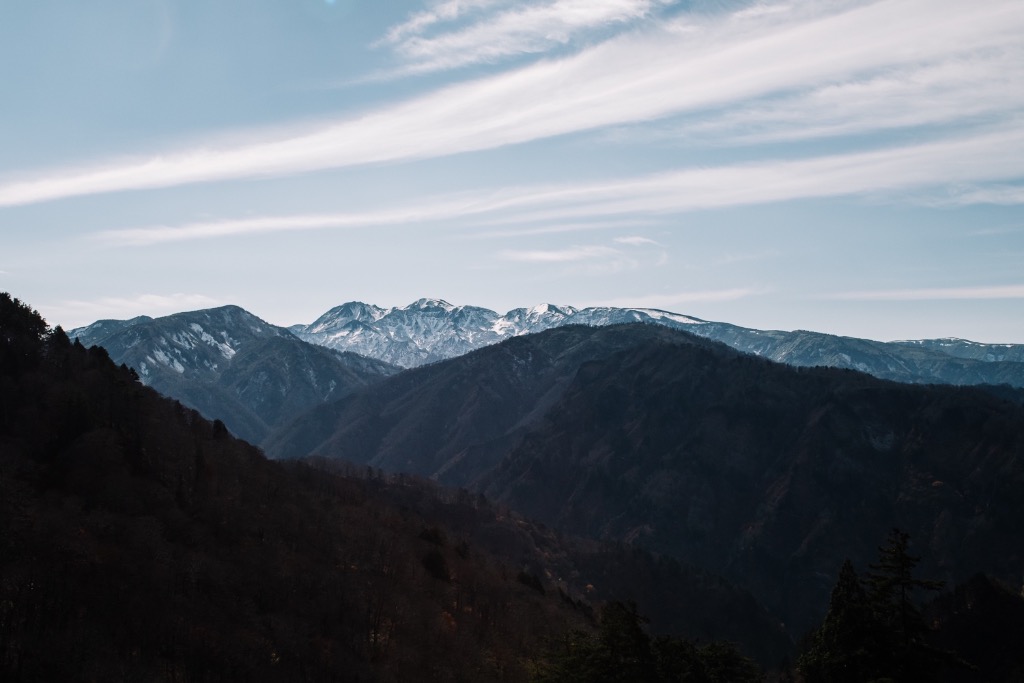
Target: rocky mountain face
[769,474]
[423,332]
[231,365]
[430,330]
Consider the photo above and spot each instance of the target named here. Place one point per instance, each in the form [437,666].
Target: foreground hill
[766,473]
[230,365]
[140,542]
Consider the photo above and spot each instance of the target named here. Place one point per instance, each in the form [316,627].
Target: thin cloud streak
[956,90]
[993,156]
[636,241]
[934,294]
[530,29]
[693,65]
[572,254]
[448,10]
[581,226]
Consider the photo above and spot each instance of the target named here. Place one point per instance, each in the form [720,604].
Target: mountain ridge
[393,335]
[430,330]
[231,365]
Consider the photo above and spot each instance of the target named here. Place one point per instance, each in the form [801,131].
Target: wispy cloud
[692,65]
[991,194]
[993,156]
[589,259]
[933,294]
[975,87]
[636,241]
[523,230]
[515,29]
[77,312]
[571,254]
[441,11]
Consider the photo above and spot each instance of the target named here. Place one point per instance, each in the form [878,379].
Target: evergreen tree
[901,627]
[843,649]
[21,335]
[873,630]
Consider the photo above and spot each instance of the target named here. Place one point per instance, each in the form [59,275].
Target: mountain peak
[425,304]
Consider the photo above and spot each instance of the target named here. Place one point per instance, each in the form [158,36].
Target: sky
[846,166]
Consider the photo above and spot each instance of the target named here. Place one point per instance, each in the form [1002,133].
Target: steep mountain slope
[771,475]
[230,365]
[454,421]
[430,330]
[768,473]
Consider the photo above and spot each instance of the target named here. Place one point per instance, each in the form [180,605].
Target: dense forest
[141,542]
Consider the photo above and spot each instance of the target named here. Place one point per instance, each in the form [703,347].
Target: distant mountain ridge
[256,377]
[430,330]
[233,366]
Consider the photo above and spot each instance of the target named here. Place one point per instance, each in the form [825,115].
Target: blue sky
[848,166]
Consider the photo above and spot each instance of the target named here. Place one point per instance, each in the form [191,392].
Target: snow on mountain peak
[424,304]
[429,330]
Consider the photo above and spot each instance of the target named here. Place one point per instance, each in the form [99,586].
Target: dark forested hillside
[771,474]
[767,473]
[455,420]
[139,541]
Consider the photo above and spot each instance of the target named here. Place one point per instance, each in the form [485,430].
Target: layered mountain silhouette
[139,541]
[230,365]
[257,377]
[767,473]
[429,330]
[718,490]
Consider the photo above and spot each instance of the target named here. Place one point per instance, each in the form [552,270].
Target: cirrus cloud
[693,66]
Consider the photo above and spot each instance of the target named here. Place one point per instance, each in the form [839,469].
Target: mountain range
[664,442]
[257,377]
[766,473]
[429,330]
[139,541]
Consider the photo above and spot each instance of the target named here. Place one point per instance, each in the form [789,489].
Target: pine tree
[843,649]
[873,630]
[901,627]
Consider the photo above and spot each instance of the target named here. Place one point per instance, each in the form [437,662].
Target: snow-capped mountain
[430,330]
[231,365]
